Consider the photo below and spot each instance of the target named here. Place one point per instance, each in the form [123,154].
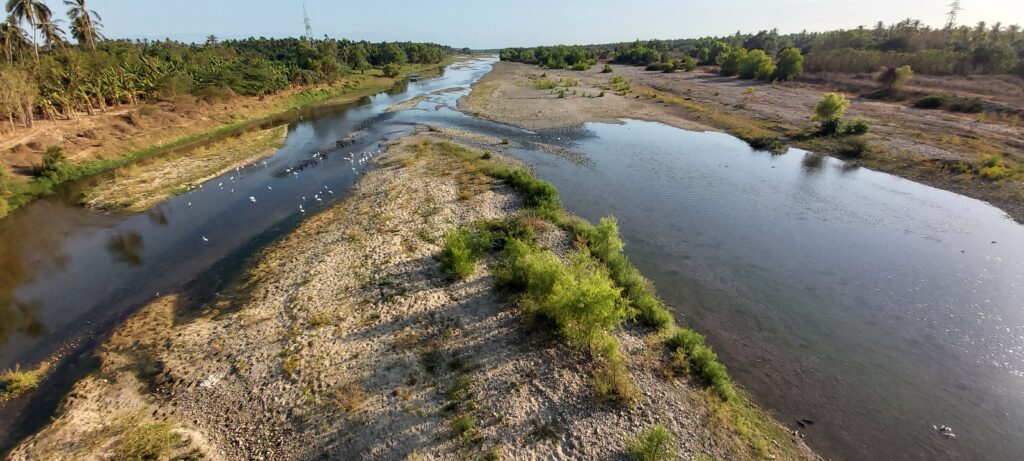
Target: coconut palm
[53,35]
[12,38]
[85,23]
[34,12]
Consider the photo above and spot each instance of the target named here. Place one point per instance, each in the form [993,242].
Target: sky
[485,24]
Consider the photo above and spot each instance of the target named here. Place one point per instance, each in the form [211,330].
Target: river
[875,306]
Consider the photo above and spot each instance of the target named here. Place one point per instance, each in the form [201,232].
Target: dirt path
[345,341]
[927,146]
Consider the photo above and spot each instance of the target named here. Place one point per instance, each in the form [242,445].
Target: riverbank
[942,149]
[121,136]
[139,186]
[347,339]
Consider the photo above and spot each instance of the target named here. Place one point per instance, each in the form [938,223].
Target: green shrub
[461,249]
[932,101]
[687,63]
[607,69]
[790,65]
[667,66]
[651,444]
[829,111]
[392,70]
[729,61]
[545,84]
[856,127]
[16,382]
[703,361]
[851,147]
[55,164]
[463,426]
[768,143]
[756,64]
[966,105]
[539,195]
[892,79]
[581,66]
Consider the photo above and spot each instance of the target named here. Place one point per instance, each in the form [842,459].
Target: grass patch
[145,442]
[703,361]
[652,444]
[16,382]
[461,249]
[463,427]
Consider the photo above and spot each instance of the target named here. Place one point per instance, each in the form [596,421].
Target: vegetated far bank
[448,308]
[110,102]
[978,157]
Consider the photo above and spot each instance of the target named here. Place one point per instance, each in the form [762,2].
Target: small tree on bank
[892,79]
[790,64]
[829,112]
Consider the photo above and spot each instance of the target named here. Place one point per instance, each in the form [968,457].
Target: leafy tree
[12,39]
[829,112]
[892,79]
[35,12]
[85,23]
[392,70]
[55,164]
[756,64]
[729,62]
[790,64]
[53,35]
[687,63]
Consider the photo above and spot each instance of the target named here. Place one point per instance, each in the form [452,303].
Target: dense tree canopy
[983,48]
[66,79]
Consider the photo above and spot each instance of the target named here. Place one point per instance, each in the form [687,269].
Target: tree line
[44,75]
[979,49]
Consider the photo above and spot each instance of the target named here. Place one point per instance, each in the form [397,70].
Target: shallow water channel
[872,305]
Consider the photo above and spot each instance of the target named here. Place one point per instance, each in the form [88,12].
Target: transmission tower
[954,8]
[306,22]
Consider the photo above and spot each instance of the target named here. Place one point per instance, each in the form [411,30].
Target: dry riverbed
[346,341]
[942,149]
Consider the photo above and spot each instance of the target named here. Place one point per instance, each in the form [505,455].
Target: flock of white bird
[356,159]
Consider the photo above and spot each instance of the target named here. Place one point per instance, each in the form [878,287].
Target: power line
[954,8]
[306,22]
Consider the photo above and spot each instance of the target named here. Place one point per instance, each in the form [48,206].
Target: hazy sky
[498,23]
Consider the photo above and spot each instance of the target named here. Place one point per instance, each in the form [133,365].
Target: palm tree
[33,11]
[85,23]
[53,35]
[12,38]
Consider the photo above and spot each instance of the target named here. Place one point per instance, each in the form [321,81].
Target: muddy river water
[874,306]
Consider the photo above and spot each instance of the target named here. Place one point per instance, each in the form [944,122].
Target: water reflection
[812,163]
[126,247]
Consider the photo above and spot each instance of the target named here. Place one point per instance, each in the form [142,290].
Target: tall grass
[604,242]
[652,444]
[703,361]
[461,250]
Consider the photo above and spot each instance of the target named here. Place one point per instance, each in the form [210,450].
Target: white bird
[330,192]
[190,204]
[205,239]
[220,184]
[318,199]
[252,199]
[270,188]
[232,190]
[231,178]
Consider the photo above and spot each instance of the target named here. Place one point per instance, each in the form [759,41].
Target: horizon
[461,23]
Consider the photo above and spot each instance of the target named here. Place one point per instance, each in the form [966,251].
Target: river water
[875,306]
